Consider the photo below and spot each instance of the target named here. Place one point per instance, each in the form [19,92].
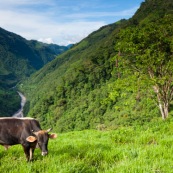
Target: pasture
[136,149]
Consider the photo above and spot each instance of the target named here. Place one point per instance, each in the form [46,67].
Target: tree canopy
[147,50]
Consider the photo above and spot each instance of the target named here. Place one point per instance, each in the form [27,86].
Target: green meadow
[135,149]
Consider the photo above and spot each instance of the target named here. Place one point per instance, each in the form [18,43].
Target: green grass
[146,149]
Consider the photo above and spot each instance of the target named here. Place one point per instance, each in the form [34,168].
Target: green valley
[19,58]
[94,84]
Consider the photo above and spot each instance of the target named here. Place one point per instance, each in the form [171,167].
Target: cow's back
[16,130]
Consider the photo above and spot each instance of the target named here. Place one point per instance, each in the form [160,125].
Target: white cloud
[51,24]
[46,40]
[32,26]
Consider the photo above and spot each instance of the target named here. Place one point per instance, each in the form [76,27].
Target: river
[19,113]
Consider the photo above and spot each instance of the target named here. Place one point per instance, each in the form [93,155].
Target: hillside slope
[19,58]
[73,92]
[64,84]
[126,149]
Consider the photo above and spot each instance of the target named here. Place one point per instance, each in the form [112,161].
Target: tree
[148,50]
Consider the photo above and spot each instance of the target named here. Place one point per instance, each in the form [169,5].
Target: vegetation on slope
[10,102]
[74,83]
[19,58]
[151,10]
[147,51]
[82,88]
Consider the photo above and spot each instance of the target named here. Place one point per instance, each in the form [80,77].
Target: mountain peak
[151,10]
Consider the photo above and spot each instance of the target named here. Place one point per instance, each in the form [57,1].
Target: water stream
[19,113]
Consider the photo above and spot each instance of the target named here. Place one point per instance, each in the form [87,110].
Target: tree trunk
[163,103]
[164,110]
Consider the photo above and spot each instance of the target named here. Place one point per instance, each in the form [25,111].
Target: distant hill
[19,58]
[75,90]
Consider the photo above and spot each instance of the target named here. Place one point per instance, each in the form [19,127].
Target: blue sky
[62,21]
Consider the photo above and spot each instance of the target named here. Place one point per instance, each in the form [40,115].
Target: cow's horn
[35,133]
[49,130]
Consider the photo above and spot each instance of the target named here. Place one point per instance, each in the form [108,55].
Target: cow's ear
[53,135]
[31,138]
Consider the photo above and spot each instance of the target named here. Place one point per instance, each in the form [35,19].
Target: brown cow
[24,131]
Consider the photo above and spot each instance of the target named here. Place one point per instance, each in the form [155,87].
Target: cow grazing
[24,131]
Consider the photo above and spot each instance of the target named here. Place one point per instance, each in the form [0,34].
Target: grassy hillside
[84,87]
[126,149]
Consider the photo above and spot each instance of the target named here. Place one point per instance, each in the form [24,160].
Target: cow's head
[42,138]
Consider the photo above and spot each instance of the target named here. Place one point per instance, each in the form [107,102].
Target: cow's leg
[27,152]
[32,148]
[31,152]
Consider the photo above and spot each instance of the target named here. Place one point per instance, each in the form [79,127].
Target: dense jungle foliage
[18,59]
[89,87]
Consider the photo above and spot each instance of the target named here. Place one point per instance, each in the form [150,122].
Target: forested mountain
[20,58]
[116,76]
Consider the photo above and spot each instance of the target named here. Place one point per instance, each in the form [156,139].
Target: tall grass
[146,149]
